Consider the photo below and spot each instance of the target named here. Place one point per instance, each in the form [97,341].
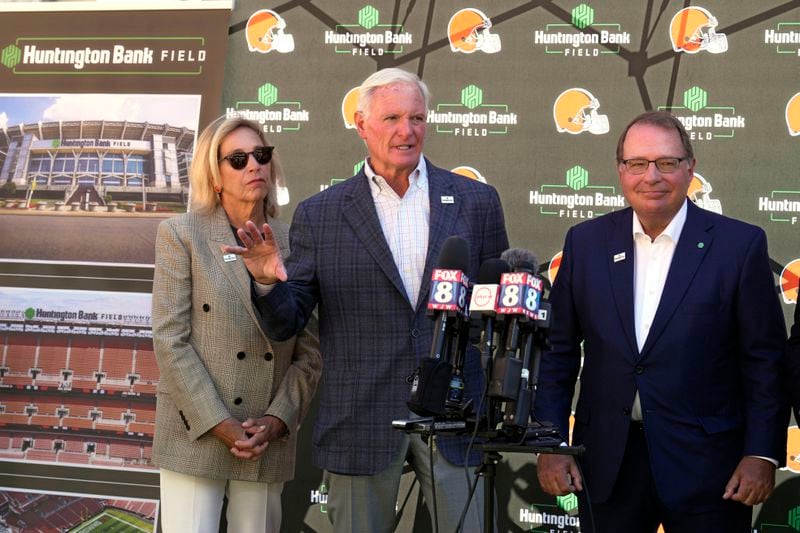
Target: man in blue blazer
[680,405]
[363,252]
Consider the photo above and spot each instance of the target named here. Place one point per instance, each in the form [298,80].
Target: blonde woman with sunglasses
[230,400]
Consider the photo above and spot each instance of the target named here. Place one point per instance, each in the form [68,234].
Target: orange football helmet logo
[793,115]
[468,32]
[469,172]
[790,279]
[693,29]
[349,108]
[264,33]
[575,111]
[700,193]
[793,449]
[552,269]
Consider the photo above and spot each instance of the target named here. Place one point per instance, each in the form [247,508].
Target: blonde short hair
[204,173]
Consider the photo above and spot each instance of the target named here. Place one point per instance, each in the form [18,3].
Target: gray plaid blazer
[215,360]
[371,337]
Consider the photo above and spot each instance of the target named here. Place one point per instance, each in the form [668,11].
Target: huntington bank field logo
[108,56]
[575,111]
[693,29]
[468,32]
[783,205]
[704,122]
[561,518]
[274,115]
[584,37]
[785,37]
[368,37]
[472,117]
[576,198]
[265,33]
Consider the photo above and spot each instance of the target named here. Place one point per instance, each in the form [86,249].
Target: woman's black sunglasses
[238,160]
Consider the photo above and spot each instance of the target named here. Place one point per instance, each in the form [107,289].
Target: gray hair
[383,78]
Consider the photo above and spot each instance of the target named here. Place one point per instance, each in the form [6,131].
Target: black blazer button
[639,369]
[240,356]
[626,411]
[206,308]
[414,333]
[237,401]
[268,356]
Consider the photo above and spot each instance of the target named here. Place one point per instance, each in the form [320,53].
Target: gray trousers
[367,504]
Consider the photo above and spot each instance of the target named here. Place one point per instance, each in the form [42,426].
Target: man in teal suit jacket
[682,332]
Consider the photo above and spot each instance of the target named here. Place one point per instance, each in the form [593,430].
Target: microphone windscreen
[491,270]
[454,254]
[520,259]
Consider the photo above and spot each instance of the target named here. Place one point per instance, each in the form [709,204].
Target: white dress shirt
[405,222]
[651,265]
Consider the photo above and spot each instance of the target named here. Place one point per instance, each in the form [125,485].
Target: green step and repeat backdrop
[100,106]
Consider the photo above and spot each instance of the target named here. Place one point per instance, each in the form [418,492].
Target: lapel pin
[447,200]
[229,258]
[701,245]
[619,257]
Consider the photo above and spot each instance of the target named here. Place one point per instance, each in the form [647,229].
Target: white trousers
[191,504]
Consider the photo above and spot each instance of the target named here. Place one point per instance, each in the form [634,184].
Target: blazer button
[268,356]
[237,401]
[414,332]
[626,411]
[240,356]
[206,308]
[639,369]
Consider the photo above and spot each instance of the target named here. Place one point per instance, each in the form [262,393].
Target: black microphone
[483,306]
[447,305]
[520,258]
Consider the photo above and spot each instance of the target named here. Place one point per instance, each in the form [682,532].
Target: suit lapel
[444,214]
[693,244]
[359,211]
[620,259]
[219,233]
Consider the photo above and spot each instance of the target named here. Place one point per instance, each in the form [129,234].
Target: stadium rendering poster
[60,511]
[99,112]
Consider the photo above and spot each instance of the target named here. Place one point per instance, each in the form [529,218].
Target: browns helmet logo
[468,32]
[552,269]
[700,193]
[469,172]
[793,449]
[790,279]
[349,108]
[793,115]
[264,33]
[694,29]
[575,111]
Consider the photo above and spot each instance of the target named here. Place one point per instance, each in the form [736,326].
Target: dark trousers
[635,507]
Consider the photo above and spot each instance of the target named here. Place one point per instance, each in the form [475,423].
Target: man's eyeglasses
[665,165]
[238,160]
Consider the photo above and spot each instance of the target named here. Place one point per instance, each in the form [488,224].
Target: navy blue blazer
[371,337]
[707,374]
[793,364]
